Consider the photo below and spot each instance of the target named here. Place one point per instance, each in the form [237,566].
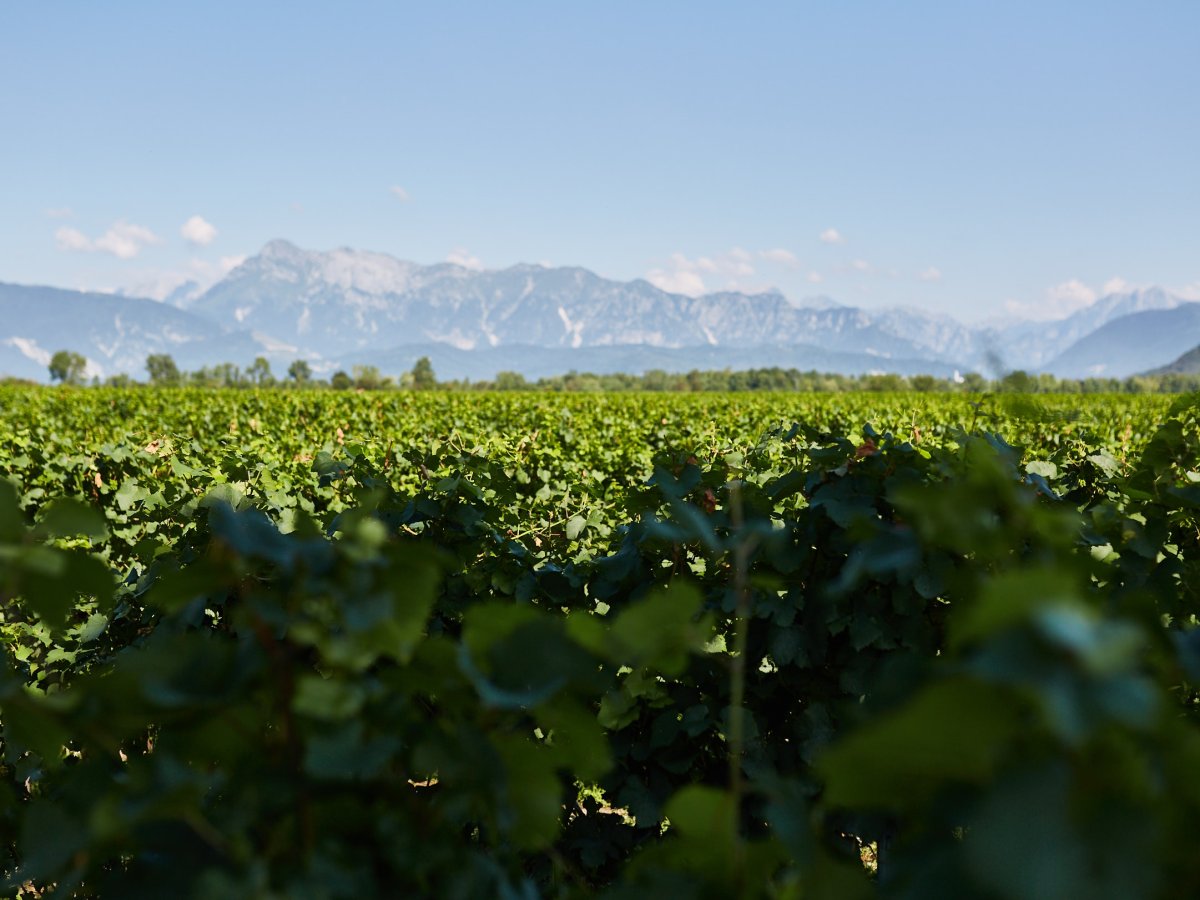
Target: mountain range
[1188,364]
[346,307]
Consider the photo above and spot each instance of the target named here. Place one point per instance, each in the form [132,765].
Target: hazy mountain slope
[115,333]
[1032,345]
[344,307]
[1188,364]
[346,300]
[1131,344]
[536,362]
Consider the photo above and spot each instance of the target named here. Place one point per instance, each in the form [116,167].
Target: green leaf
[30,725]
[51,581]
[50,838]
[345,753]
[67,518]
[661,629]
[1042,467]
[533,793]
[617,709]
[1106,463]
[12,522]
[1010,599]
[577,739]
[952,732]
[415,584]
[705,814]
[575,526]
[1028,817]
[93,628]
[128,494]
[327,698]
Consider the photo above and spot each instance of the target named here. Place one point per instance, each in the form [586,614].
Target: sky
[975,158]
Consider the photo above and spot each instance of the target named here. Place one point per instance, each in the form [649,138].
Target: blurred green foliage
[275,646]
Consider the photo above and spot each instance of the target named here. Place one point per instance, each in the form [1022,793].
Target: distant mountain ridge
[115,333]
[1038,345]
[1132,343]
[347,300]
[345,306]
[1187,364]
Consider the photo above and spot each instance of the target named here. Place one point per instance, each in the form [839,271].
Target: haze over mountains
[346,307]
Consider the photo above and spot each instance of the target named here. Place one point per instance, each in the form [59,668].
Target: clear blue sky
[955,155]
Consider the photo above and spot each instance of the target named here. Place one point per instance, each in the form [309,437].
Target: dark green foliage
[162,369]
[455,668]
[300,371]
[67,367]
[259,372]
[423,377]
[367,378]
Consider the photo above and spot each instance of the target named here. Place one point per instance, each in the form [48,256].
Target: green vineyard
[315,644]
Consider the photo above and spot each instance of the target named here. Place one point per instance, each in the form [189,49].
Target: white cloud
[860,265]
[72,239]
[685,275]
[933,273]
[29,348]
[780,256]
[60,212]
[197,230]
[152,285]
[123,240]
[832,236]
[1114,285]
[399,193]
[1071,295]
[814,277]
[1188,291]
[732,270]
[1119,285]
[681,281]
[1059,302]
[158,284]
[460,256]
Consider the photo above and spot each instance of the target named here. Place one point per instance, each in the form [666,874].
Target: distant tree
[1047,383]
[67,367]
[510,381]
[162,369]
[300,371]
[224,374]
[341,381]
[367,378]
[656,380]
[1019,382]
[422,375]
[121,379]
[974,382]
[883,381]
[260,371]
[228,374]
[924,383]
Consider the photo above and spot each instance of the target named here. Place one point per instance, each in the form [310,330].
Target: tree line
[68,367]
